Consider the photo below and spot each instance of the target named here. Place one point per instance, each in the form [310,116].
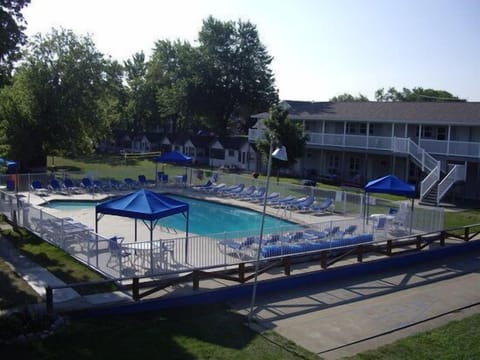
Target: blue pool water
[71,204]
[205,217]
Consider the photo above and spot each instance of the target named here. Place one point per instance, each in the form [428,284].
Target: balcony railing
[387,143]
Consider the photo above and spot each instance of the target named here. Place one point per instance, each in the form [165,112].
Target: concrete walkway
[351,316]
[39,278]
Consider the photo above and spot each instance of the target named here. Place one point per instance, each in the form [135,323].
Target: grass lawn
[456,340]
[14,291]
[202,332]
[114,166]
[462,218]
[55,260]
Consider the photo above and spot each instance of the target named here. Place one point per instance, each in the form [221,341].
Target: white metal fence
[117,259]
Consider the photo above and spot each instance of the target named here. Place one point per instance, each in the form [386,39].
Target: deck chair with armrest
[131,184]
[71,187]
[143,181]
[56,186]
[87,184]
[38,188]
[349,230]
[117,252]
[235,248]
[380,225]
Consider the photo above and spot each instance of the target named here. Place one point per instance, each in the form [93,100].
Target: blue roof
[143,204]
[174,157]
[390,184]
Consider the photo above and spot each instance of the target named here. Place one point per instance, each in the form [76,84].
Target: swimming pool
[205,217]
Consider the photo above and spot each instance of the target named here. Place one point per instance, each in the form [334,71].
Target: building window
[190,151]
[427,132]
[218,154]
[333,164]
[351,128]
[370,129]
[442,133]
[363,129]
[354,165]
[356,128]
[231,153]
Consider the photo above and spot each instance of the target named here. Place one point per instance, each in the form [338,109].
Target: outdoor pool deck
[202,252]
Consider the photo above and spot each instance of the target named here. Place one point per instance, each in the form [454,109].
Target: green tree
[237,80]
[113,102]
[280,130]
[141,111]
[11,35]
[53,104]
[173,75]
[216,85]
[345,97]
[415,94]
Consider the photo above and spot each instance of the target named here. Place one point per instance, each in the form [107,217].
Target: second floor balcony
[447,148]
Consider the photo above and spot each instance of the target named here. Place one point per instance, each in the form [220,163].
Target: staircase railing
[430,181]
[457,173]
[418,154]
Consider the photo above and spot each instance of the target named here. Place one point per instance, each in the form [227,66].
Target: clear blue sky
[321,48]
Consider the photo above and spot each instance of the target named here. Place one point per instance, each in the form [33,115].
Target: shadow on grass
[109,160]
[187,333]
[63,168]
[56,261]
[13,292]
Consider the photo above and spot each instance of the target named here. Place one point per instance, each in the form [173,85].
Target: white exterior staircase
[436,184]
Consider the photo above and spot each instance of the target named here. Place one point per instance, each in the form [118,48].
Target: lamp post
[280,154]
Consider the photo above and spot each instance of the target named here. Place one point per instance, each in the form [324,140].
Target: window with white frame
[354,165]
[427,132]
[190,151]
[357,128]
[442,133]
[333,163]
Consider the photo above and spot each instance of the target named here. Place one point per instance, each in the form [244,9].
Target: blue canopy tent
[390,184]
[173,157]
[146,205]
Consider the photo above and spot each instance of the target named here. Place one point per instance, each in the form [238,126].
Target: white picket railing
[457,173]
[430,181]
